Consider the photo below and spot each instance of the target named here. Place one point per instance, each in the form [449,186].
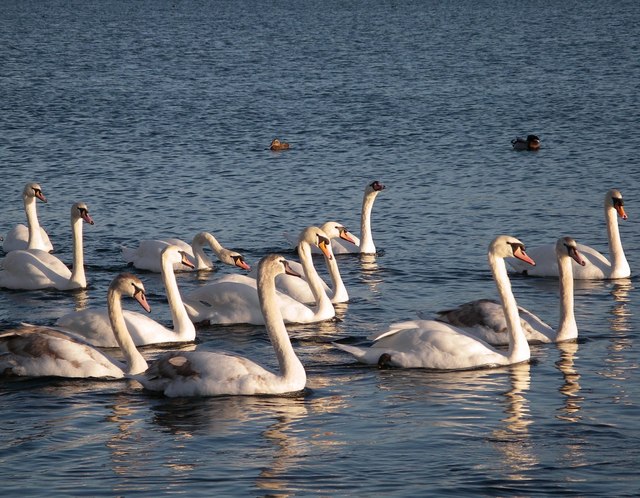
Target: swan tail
[128,254]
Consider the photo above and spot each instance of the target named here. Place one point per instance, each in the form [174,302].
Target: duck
[233,299]
[147,255]
[39,351]
[213,373]
[358,245]
[485,318]
[94,325]
[532,142]
[276,144]
[30,269]
[597,266]
[437,345]
[32,236]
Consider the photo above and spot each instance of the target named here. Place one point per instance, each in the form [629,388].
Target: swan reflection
[571,387]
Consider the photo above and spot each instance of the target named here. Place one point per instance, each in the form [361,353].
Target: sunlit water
[159,115]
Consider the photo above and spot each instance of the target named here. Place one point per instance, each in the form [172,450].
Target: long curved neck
[340,294]
[518,345]
[182,325]
[78,278]
[35,237]
[619,264]
[323,303]
[203,262]
[366,238]
[135,362]
[290,365]
[567,328]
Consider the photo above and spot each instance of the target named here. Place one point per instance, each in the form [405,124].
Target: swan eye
[515,246]
[322,241]
[617,202]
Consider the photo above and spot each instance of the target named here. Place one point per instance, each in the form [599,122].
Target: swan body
[485,318]
[35,351]
[597,267]
[31,269]
[437,345]
[276,144]
[299,289]
[95,327]
[147,255]
[208,373]
[233,299]
[364,244]
[32,235]
[532,142]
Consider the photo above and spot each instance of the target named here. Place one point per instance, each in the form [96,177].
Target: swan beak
[573,252]
[345,235]
[323,245]
[41,196]
[289,271]
[621,212]
[87,217]
[142,299]
[520,254]
[185,261]
[241,263]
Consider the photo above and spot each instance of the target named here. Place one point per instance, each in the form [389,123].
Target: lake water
[159,116]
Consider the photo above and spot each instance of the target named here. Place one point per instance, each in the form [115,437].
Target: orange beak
[520,254]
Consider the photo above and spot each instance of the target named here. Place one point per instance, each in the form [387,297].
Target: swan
[147,255]
[485,318]
[36,351]
[208,373]
[95,327]
[33,236]
[299,289]
[233,299]
[532,142]
[36,269]
[363,245]
[597,266]
[437,345]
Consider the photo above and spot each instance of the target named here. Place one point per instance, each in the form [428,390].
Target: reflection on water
[370,272]
[621,311]
[571,387]
[512,438]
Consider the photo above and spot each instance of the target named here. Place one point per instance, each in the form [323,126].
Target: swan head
[234,259]
[614,199]
[374,186]
[335,230]
[174,255]
[317,237]
[33,190]
[278,145]
[272,265]
[127,284]
[507,246]
[569,247]
[79,210]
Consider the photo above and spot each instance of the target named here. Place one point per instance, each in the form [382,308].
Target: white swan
[95,327]
[438,345]
[32,236]
[485,318]
[147,255]
[207,373]
[36,269]
[35,351]
[299,289]
[364,244]
[597,266]
[233,299]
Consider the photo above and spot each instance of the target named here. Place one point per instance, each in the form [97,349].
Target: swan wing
[33,269]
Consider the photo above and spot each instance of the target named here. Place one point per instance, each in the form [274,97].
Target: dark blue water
[159,116]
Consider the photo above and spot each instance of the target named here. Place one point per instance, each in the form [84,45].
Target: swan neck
[619,264]
[182,325]
[291,367]
[366,237]
[323,302]
[518,345]
[567,328]
[340,293]
[135,362]
[203,262]
[78,278]
[35,237]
